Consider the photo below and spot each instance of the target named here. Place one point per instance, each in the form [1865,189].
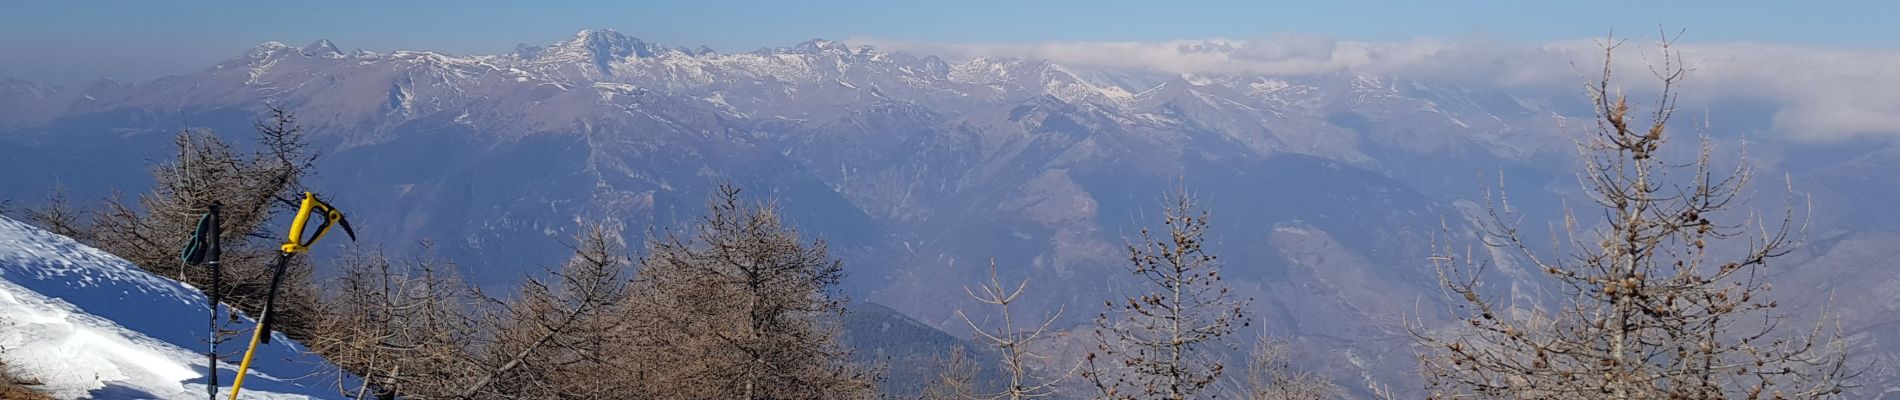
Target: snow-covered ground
[87,324]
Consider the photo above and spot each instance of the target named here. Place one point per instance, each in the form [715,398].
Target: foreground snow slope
[88,324]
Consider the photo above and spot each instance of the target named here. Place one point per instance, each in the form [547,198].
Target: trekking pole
[204,248]
[296,244]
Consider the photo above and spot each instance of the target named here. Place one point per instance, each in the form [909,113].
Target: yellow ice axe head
[297,243]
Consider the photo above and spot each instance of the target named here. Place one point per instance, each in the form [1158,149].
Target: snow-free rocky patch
[87,324]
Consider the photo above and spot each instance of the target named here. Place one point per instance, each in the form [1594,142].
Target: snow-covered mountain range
[1327,188]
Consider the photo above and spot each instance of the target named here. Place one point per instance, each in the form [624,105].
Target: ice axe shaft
[262,334]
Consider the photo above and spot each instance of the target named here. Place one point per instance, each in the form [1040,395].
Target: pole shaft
[214,250]
[211,386]
[263,325]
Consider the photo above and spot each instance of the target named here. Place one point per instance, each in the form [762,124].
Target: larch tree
[1163,341]
[1014,339]
[1665,297]
[59,216]
[252,187]
[402,327]
[956,378]
[552,337]
[1271,375]
[739,307]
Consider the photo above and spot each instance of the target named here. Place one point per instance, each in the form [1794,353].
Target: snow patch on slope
[87,324]
[74,353]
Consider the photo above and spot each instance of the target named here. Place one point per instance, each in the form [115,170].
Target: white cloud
[1821,94]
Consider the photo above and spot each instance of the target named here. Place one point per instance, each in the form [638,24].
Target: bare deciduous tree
[1651,309]
[739,309]
[1271,375]
[1157,344]
[743,309]
[956,378]
[1015,343]
[252,187]
[403,328]
[551,336]
[59,216]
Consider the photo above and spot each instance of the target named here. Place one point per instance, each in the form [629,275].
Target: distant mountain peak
[821,46]
[606,41]
[321,48]
[527,51]
[598,47]
[602,35]
[268,47]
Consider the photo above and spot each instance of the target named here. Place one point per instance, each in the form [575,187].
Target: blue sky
[67,42]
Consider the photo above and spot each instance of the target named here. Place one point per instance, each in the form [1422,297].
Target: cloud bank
[1817,94]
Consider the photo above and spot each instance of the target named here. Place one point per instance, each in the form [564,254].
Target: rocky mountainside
[1327,189]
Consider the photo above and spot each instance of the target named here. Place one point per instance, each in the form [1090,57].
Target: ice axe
[296,244]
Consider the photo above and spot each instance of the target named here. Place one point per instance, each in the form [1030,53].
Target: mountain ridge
[1328,188]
